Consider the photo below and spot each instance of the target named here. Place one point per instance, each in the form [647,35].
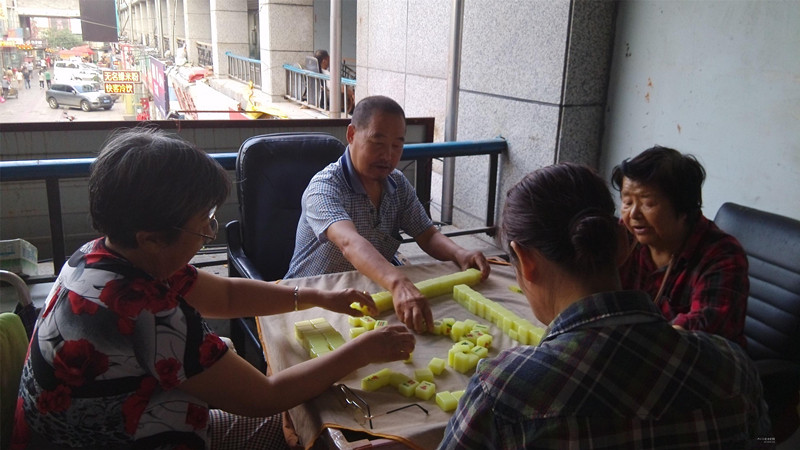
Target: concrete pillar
[278,46]
[145,23]
[160,8]
[130,28]
[175,24]
[151,23]
[590,38]
[132,22]
[228,32]
[125,20]
[154,19]
[168,8]
[135,23]
[179,22]
[135,27]
[561,55]
[197,23]
[141,21]
[543,64]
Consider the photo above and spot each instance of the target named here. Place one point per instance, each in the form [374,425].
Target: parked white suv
[75,70]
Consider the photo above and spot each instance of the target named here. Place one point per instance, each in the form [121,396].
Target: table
[410,426]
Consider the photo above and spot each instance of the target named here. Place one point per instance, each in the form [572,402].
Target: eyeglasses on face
[212,223]
[361,412]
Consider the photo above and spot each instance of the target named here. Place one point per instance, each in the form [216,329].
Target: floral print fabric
[107,355]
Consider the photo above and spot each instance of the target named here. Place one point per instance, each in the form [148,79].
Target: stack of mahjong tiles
[365,323]
[421,386]
[430,288]
[514,326]
[317,336]
[472,342]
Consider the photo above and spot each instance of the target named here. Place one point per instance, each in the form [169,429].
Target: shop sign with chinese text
[124,76]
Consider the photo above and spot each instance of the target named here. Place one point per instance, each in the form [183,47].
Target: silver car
[86,96]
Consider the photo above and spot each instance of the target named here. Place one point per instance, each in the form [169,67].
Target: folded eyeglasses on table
[349,399]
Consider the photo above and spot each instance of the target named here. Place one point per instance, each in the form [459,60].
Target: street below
[31,106]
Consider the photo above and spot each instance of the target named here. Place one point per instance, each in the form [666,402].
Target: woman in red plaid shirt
[695,273]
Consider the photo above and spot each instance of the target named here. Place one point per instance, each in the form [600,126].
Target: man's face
[376,148]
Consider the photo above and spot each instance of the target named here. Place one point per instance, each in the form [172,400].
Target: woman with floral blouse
[122,357]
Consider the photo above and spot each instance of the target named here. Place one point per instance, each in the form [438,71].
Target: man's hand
[441,247]
[412,307]
[473,259]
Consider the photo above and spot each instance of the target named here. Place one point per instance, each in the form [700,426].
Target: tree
[61,38]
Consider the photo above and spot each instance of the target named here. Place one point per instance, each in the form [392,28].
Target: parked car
[86,96]
[73,70]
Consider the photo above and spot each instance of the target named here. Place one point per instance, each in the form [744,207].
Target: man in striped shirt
[354,210]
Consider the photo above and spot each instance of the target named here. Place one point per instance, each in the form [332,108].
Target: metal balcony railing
[54,170]
[310,88]
[244,69]
[205,54]
[348,69]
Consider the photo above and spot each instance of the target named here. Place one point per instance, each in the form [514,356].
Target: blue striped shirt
[336,193]
[612,373]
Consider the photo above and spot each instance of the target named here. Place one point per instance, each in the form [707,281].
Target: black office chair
[272,171]
[772,325]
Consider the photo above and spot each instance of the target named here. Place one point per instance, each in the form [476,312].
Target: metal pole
[451,114]
[335,85]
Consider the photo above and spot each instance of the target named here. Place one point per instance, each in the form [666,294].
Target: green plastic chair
[13,347]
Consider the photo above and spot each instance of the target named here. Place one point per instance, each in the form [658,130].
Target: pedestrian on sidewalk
[41,79]
[6,86]
[47,78]
[26,74]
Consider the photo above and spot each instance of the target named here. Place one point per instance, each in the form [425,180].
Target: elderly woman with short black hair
[695,272]
[122,356]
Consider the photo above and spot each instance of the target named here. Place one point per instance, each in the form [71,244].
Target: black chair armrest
[239,265]
[242,333]
[767,367]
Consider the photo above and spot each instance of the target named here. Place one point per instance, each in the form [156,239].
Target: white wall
[717,79]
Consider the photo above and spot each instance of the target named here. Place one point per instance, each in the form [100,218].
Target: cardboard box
[19,256]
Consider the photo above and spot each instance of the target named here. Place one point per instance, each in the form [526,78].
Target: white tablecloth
[410,426]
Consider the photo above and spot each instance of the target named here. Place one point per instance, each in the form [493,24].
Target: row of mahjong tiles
[459,284]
